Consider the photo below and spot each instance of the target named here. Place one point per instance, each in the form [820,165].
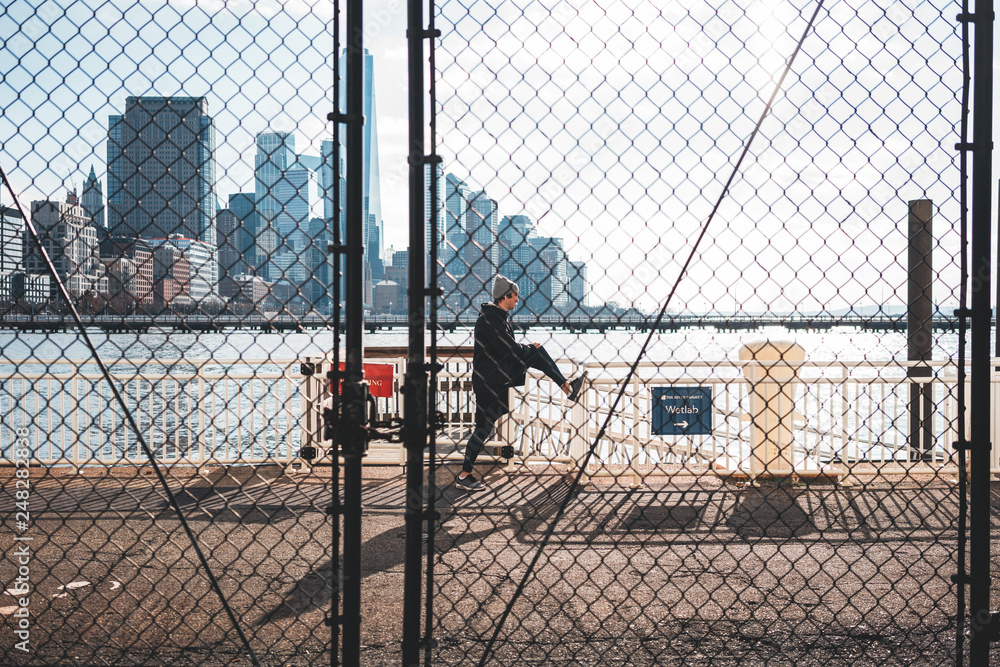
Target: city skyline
[587,144]
[161,166]
[236,134]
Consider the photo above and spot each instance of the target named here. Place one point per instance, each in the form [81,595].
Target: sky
[614,125]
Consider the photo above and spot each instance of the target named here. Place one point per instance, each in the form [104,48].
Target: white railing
[188,412]
[854,416]
[850,419]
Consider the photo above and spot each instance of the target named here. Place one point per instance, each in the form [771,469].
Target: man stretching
[498,363]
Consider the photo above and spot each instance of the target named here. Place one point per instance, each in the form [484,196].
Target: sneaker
[469,483]
[576,387]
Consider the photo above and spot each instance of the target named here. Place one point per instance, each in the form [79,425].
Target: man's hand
[536,345]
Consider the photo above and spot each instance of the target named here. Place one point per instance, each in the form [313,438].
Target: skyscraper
[161,169]
[456,205]
[298,192]
[326,176]
[11,240]
[275,156]
[579,288]
[299,195]
[116,193]
[319,289]
[93,200]
[434,209]
[515,235]
[456,197]
[547,274]
[244,207]
[481,252]
[140,288]
[371,190]
[230,234]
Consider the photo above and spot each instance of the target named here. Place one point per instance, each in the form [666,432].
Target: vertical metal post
[435,293]
[353,391]
[920,325]
[334,416]
[982,320]
[415,397]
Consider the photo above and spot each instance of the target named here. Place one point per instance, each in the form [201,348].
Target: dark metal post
[982,320]
[920,325]
[428,643]
[337,297]
[415,396]
[354,402]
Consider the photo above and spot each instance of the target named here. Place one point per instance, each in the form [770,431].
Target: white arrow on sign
[682,424]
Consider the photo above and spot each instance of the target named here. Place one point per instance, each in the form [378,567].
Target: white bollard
[772,404]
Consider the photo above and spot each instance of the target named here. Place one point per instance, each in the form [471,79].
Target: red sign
[380,378]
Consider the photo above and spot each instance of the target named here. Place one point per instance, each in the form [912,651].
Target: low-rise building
[203,274]
[139,252]
[246,290]
[171,277]
[388,298]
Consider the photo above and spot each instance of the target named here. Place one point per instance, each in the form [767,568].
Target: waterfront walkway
[704,548]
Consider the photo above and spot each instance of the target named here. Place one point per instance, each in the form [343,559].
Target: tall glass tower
[161,169]
[275,156]
[438,211]
[515,236]
[372,197]
[481,252]
[244,207]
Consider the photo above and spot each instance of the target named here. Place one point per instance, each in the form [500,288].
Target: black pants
[492,405]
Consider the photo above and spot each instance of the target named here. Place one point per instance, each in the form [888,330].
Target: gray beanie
[502,287]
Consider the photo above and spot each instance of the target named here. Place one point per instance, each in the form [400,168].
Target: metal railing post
[920,326]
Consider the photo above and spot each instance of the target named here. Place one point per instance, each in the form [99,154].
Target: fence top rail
[739,363]
[616,383]
[141,362]
[148,377]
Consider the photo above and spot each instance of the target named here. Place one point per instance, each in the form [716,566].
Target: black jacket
[497,359]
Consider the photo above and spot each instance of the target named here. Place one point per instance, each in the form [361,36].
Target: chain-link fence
[691,279]
[169,195]
[742,222]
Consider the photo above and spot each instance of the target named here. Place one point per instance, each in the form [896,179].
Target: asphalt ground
[678,572]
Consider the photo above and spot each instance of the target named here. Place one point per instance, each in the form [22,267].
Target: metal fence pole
[982,316]
[415,397]
[354,399]
[337,299]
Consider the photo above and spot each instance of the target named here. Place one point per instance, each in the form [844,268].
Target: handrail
[853,413]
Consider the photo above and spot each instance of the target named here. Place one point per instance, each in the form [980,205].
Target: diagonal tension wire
[550,530]
[64,293]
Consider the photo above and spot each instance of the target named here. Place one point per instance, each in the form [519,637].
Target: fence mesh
[168,199]
[759,466]
[726,239]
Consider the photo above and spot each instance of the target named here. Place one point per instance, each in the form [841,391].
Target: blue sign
[682,410]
